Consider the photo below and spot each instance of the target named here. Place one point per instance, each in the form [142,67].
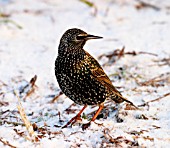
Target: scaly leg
[74,119]
[84,126]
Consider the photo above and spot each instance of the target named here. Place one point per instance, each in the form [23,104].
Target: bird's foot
[85,126]
[72,121]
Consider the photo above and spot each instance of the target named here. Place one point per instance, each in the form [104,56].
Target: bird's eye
[80,37]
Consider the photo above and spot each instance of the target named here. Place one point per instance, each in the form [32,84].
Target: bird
[80,77]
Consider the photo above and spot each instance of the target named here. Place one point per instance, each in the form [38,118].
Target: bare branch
[157,99]
[56,97]
[6,143]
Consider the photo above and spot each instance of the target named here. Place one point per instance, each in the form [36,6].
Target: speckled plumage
[79,75]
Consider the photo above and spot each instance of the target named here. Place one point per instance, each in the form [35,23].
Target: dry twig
[56,97]
[163,62]
[25,120]
[156,81]
[118,53]
[31,85]
[68,110]
[21,134]
[141,4]
[13,123]
[6,143]
[3,103]
[157,99]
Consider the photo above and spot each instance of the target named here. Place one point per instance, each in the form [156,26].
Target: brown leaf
[130,107]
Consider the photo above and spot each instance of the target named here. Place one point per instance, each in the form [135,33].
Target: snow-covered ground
[30,31]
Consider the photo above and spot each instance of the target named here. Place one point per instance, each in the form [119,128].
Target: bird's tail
[125,99]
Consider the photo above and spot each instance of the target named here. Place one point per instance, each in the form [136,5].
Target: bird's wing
[99,74]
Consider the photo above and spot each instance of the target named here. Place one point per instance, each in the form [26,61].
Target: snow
[28,47]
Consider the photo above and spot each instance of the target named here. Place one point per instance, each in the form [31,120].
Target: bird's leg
[84,126]
[74,119]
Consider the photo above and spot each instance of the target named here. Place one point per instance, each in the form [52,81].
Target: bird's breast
[71,65]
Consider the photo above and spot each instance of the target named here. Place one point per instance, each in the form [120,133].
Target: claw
[74,119]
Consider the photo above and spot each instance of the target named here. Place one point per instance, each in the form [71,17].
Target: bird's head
[75,38]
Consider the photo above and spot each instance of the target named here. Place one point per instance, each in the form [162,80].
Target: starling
[80,76]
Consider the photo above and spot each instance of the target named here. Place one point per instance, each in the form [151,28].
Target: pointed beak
[89,37]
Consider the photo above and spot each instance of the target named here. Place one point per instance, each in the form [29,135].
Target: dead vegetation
[157,81]
[117,54]
[28,88]
[118,141]
[6,143]
[142,5]
[157,99]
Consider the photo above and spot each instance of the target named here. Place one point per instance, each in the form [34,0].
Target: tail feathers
[126,100]
[130,103]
